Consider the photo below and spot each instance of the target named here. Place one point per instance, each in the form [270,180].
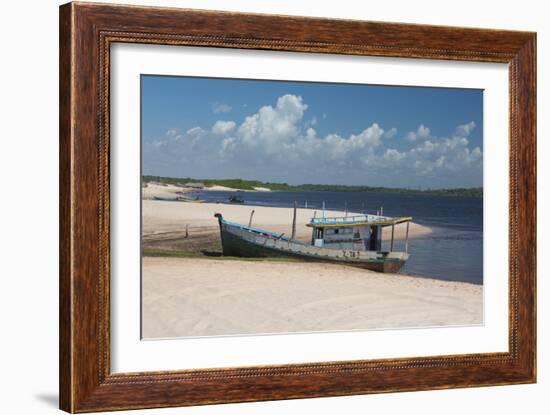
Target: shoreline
[188,229]
[192,229]
[188,297]
[274,219]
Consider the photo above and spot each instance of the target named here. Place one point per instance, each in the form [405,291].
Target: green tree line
[251,184]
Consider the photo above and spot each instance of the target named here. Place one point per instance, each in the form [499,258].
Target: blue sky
[299,132]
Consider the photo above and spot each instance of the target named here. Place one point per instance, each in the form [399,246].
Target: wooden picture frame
[86,33]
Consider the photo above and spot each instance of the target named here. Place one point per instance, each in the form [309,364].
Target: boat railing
[347,219]
[257,231]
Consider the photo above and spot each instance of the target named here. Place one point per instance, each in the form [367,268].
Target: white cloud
[464,130]
[393,156]
[223,127]
[390,133]
[278,143]
[439,157]
[218,107]
[421,133]
[172,132]
[271,127]
[194,131]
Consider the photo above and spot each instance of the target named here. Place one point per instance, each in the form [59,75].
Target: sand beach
[193,291]
[206,297]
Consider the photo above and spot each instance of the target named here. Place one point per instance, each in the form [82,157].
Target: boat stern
[394,261]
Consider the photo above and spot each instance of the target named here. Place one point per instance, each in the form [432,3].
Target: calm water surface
[453,251]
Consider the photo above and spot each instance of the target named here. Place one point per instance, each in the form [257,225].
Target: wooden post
[392,229]
[407,238]
[323,209]
[294,222]
[346,208]
[250,220]
[187,231]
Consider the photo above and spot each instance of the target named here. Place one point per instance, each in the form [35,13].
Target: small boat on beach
[353,240]
[179,198]
[235,199]
[165,199]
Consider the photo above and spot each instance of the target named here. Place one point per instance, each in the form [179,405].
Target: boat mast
[294,222]
[392,231]
[407,238]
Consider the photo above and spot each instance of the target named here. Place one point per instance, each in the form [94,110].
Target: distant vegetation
[251,184]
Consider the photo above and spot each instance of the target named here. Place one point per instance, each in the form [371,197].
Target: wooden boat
[178,199]
[165,199]
[353,240]
[189,199]
[235,199]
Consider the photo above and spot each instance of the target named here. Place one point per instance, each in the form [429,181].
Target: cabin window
[336,231]
[356,235]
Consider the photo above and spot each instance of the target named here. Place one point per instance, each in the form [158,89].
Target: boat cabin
[358,232]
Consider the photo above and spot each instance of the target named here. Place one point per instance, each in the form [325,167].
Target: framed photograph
[260,207]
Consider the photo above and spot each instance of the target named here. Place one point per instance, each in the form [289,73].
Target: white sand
[160,216]
[153,190]
[204,297]
[217,188]
[161,190]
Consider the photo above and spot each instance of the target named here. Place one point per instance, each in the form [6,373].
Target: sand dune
[205,297]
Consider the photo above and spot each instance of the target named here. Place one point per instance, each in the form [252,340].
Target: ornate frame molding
[86,33]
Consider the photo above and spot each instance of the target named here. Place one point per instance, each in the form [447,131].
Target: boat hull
[243,242]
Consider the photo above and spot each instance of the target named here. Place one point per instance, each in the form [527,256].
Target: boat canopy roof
[356,220]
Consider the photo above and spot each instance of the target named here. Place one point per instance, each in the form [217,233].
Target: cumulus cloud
[218,107]
[313,121]
[223,127]
[172,132]
[421,133]
[194,131]
[464,130]
[278,143]
[439,156]
[390,133]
